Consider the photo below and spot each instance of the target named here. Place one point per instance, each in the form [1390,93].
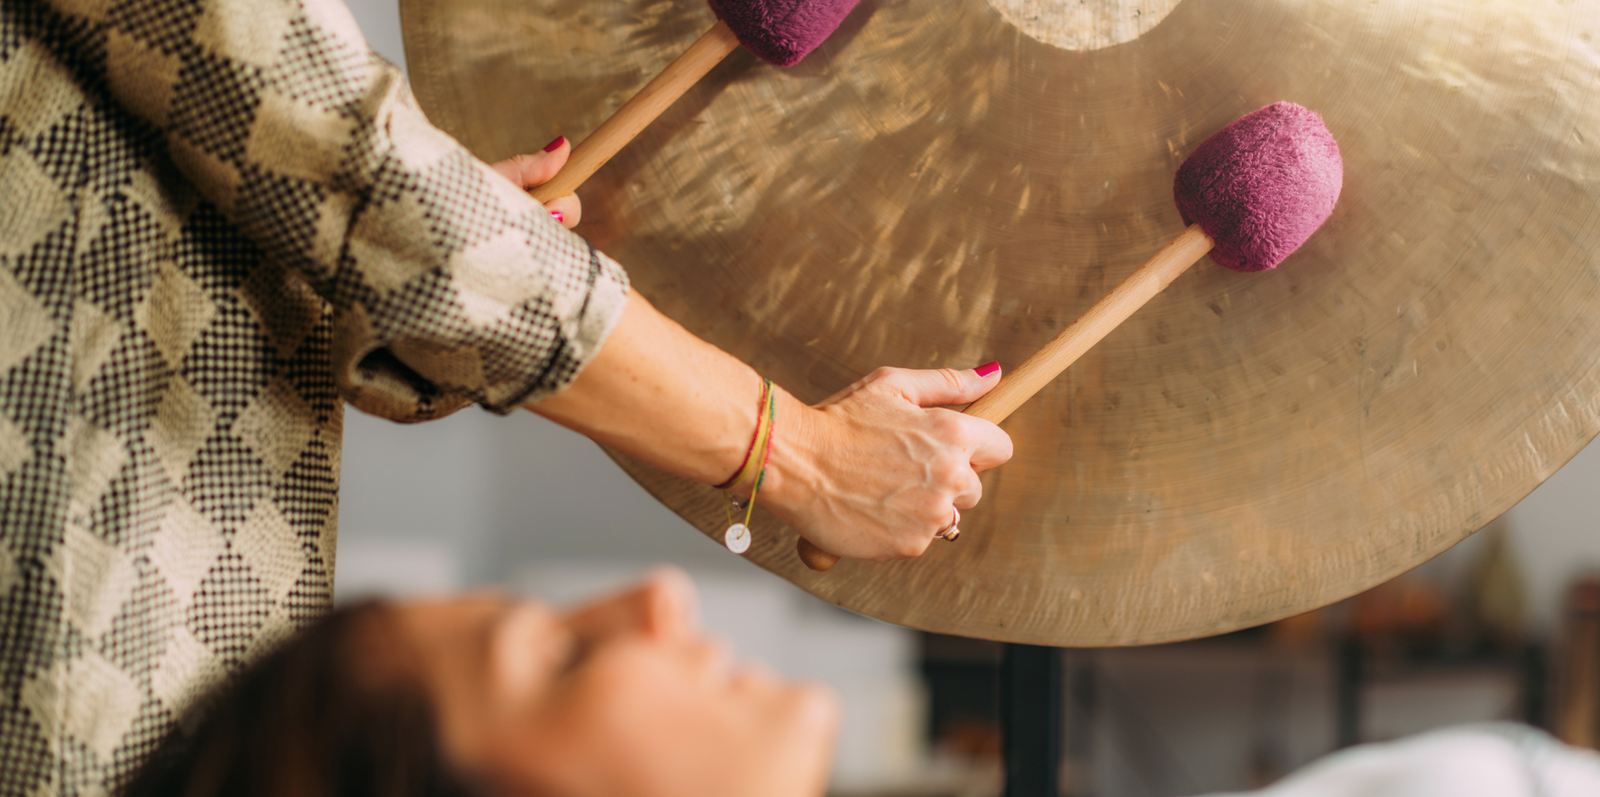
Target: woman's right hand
[875,471]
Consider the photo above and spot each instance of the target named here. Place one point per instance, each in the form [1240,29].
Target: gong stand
[1031,710]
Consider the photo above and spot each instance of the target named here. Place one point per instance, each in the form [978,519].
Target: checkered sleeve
[448,284]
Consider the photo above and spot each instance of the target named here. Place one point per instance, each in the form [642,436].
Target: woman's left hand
[529,171]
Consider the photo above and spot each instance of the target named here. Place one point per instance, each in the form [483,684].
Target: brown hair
[336,712]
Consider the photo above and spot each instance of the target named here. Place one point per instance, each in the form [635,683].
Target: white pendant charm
[737,538]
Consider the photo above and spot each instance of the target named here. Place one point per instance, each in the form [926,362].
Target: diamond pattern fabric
[221,219]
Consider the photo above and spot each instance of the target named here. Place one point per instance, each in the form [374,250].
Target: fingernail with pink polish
[555,145]
[559,216]
[985,370]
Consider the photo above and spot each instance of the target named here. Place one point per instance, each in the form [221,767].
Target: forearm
[658,393]
[870,473]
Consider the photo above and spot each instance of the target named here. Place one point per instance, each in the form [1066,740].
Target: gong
[952,183]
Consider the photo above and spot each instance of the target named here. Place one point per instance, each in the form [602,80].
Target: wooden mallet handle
[1069,344]
[639,111]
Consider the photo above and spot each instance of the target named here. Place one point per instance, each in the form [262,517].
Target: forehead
[470,620]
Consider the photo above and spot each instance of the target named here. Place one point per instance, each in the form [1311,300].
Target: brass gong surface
[936,186]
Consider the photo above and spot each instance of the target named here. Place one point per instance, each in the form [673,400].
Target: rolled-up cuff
[584,333]
[529,353]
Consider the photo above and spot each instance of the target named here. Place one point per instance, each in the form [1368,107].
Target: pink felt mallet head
[782,31]
[1262,185]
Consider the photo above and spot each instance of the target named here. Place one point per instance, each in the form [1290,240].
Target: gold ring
[950,533]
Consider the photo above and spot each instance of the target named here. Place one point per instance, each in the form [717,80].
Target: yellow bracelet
[737,537]
[752,454]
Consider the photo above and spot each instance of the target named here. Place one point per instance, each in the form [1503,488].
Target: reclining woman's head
[485,695]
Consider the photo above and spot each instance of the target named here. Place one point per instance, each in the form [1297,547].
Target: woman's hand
[875,471]
[528,171]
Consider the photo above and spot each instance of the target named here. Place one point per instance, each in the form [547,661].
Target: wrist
[752,465]
[721,456]
[792,473]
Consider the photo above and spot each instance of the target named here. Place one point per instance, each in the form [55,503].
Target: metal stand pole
[1030,720]
[1347,695]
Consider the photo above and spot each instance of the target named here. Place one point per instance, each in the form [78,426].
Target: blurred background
[1505,625]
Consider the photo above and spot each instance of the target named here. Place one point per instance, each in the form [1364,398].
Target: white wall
[1556,535]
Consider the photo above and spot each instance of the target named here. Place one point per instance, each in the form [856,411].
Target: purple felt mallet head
[1262,185]
[782,31]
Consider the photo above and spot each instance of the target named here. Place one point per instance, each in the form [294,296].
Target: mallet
[778,31]
[1251,195]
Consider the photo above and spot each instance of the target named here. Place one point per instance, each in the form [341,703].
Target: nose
[664,604]
[670,603]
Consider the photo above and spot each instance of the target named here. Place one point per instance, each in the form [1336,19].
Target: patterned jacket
[217,218]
